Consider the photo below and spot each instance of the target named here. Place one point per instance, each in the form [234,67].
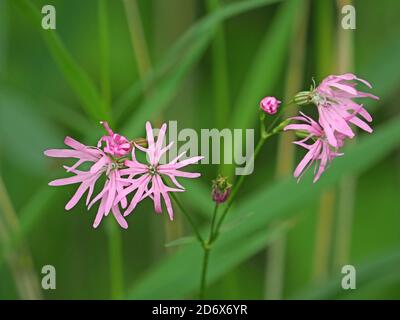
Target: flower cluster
[337,110]
[124,175]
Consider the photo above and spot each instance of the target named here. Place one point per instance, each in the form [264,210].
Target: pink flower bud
[115,144]
[220,196]
[221,189]
[270,105]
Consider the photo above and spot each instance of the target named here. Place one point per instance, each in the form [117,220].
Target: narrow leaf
[75,76]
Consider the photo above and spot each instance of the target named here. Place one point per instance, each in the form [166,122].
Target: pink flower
[80,151]
[270,105]
[102,164]
[116,145]
[112,188]
[334,99]
[320,151]
[151,183]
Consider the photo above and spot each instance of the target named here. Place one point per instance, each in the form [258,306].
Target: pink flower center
[152,170]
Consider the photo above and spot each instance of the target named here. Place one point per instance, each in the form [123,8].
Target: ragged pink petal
[334,98]
[320,150]
[151,182]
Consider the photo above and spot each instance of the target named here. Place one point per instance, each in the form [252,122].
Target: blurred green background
[205,64]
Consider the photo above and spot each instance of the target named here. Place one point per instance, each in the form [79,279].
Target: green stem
[115,256]
[204,245]
[214,234]
[189,219]
[237,186]
[204,272]
[113,231]
[206,249]
[214,216]
[265,134]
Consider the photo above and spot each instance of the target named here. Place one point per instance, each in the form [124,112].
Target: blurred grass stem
[219,70]
[323,242]
[348,185]
[104,53]
[137,37]
[274,273]
[206,249]
[324,48]
[113,231]
[115,259]
[20,260]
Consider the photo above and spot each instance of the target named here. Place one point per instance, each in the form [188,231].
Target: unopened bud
[303,98]
[270,105]
[221,189]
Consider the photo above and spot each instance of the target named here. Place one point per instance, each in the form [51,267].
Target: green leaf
[184,278]
[56,111]
[77,78]
[181,241]
[374,270]
[267,205]
[24,132]
[71,118]
[190,39]
[165,91]
[219,71]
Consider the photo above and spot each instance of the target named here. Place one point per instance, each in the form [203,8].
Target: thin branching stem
[214,232]
[206,249]
[214,217]
[189,219]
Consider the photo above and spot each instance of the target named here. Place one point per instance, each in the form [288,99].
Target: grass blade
[220,71]
[77,78]
[188,40]
[376,270]
[104,53]
[165,91]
